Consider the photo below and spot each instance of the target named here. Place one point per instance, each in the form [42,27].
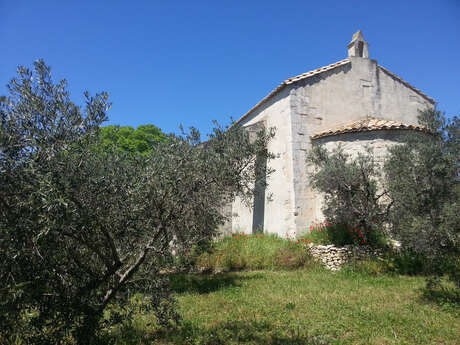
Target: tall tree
[126,138]
[81,227]
[422,178]
[351,191]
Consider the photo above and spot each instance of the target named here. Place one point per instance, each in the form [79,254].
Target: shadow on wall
[258,213]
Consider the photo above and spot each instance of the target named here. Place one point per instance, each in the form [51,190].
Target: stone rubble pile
[334,257]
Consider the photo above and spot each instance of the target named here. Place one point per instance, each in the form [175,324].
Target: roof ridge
[316,71]
[293,80]
[322,69]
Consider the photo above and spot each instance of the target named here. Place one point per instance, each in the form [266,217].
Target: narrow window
[360,48]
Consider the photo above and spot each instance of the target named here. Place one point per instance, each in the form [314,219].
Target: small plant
[443,292]
[340,235]
[371,267]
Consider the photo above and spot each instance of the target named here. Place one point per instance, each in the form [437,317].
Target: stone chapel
[354,102]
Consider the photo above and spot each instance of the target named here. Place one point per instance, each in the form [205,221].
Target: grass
[287,298]
[312,306]
[254,252]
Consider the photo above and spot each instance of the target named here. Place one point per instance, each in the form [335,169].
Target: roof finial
[358,46]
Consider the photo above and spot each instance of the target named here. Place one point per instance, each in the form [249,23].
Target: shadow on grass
[231,332]
[446,298]
[206,283]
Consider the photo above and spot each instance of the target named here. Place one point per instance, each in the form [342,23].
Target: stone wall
[298,110]
[334,258]
[338,97]
[278,215]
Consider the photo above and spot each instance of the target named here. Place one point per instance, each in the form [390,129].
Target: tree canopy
[415,194]
[82,228]
[421,177]
[126,138]
[350,187]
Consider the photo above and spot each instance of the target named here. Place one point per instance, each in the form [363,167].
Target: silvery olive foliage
[350,187]
[414,196]
[422,177]
[84,226]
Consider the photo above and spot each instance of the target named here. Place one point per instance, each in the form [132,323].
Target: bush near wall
[341,235]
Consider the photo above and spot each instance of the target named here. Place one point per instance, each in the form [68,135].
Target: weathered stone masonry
[334,258]
[354,102]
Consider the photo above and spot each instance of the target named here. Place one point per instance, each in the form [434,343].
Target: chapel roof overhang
[293,80]
[368,124]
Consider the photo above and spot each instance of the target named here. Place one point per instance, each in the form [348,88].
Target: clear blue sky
[189,62]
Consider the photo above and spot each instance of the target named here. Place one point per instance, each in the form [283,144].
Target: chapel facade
[353,102]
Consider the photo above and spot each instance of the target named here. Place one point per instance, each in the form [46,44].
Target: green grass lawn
[300,307]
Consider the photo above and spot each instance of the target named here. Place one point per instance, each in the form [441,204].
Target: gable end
[405,83]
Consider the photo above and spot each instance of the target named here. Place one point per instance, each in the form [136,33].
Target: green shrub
[421,178]
[408,263]
[340,235]
[319,234]
[443,292]
[404,263]
[254,252]
[351,187]
[441,275]
[292,259]
[372,267]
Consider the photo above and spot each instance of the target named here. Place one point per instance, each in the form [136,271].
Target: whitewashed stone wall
[279,200]
[339,97]
[298,111]
[354,143]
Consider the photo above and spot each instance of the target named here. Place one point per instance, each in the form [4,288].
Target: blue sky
[191,62]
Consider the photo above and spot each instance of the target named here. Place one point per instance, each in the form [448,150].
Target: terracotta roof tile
[315,71]
[366,125]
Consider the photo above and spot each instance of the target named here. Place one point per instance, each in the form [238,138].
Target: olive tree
[422,178]
[353,196]
[81,228]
